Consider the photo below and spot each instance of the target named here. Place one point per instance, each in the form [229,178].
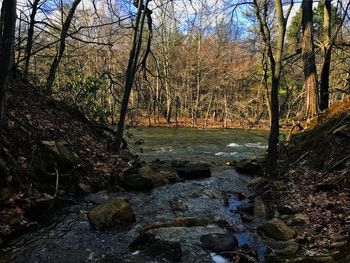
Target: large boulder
[113,215]
[219,242]
[158,177]
[276,229]
[145,178]
[136,182]
[54,155]
[191,171]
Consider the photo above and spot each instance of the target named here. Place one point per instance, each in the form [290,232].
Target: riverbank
[311,197]
[201,123]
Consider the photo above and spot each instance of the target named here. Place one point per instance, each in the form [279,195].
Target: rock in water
[137,182]
[112,215]
[249,166]
[169,250]
[277,230]
[191,171]
[219,242]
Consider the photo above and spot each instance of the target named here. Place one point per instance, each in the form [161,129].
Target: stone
[257,182]
[300,219]
[249,167]
[170,250]
[286,210]
[191,171]
[285,248]
[158,177]
[53,155]
[246,209]
[218,242]
[86,188]
[276,229]
[142,241]
[114,214]
[137,182]
[259,208]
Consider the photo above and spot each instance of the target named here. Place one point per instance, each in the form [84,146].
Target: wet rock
[259,208]
[249,166]
[257,182]
[246,209]
[300,219]
[86,188]
[178,205]
[112,215]
[276,229]
[142,241]
[169,250]
[219,242]
[181,222]
[136,182]
[158,177]
[285,248]
[246,218]
[191,171]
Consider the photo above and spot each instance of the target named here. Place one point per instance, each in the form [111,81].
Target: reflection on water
[200,145]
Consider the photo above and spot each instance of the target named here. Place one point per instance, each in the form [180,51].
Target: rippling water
[217,145]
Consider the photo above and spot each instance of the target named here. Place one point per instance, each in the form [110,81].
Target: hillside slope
[48,151]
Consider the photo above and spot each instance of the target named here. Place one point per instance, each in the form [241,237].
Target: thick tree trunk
[61,48]
[8,16]
[308,54]
[29,44]
[327,51]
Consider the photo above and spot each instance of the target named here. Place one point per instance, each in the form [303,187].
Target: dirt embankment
[313,193]
[49,152]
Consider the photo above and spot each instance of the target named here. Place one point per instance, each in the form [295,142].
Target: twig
[336,164]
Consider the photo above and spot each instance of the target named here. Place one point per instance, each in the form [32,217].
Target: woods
[147,118]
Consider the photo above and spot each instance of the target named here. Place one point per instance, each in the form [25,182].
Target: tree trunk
[29,44]
[308,54]
[327,51]
[61,48]
[131,71]
[8,16]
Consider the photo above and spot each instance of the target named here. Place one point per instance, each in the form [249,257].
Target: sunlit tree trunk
[276,70]
[131,70]
[327,52]
[8,16]
[308,54]
[61,48]
[29,44]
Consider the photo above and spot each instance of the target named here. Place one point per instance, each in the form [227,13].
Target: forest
[174,131]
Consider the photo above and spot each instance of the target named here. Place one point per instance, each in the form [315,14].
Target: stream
[69,237]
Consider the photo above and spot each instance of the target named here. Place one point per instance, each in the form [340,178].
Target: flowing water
[70,238]
[209,145]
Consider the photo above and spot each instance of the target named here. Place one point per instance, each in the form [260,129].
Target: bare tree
[275,60]
[61,48]
[8,18]
[142,13]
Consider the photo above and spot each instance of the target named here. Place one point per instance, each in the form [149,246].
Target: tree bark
[308,55]
[29,44]
[8,16]
[131,70]
[276,70]
[61,48]
[327,51]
